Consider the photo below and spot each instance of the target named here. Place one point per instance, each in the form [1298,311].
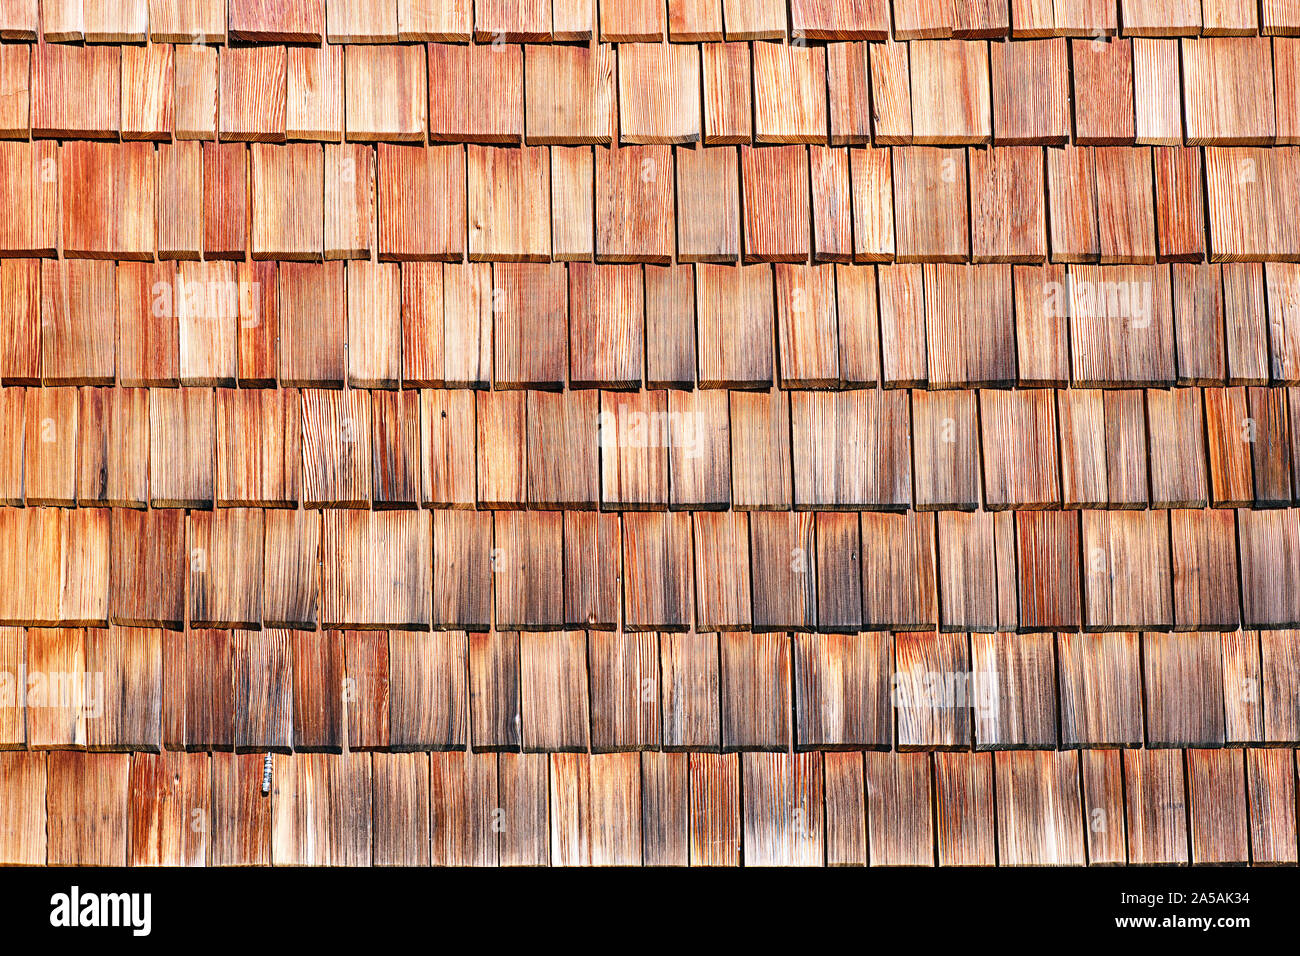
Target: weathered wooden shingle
[569,94]
[851,449]
[1039,818]
[950,91]
[930,202]
[841,692]
[1030,91]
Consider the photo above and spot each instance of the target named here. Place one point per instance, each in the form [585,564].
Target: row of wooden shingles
[380,21]
[1221,90]
[129,688]
[1008,808]
[545,570]
[617,326]
[304,201]
[874,449]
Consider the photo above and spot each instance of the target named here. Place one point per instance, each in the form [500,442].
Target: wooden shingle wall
[625,432]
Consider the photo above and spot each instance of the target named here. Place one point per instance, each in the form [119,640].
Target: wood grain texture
[715,827]
[571,818]
[784,809]
[606,325]
[734,308]
[839,20]
[406,176]
[1072,200]
[756,688]
[807,326]
[1155,92]
[930,204]
[527,567]
[657,573]
[283,229]
[1038,809]
[839,571]
[625,699]
[591,556]
[148,570]
[513,22]
[950,91]
[361,23]
[963,797]
[167,793]
[708,226]
[1156,806]
[900,828]
[931,692]
[462,797]
[1269,545]
[1047,546]
[659,93]
[1018,430]
[181,21]
[1180,204]
[569,95]
[664,791]
[1100,689]
[252,94]
[845,789]
[946,438]
[1193,714]
[774,200]
[99,176]
[181,435]
[266,426]
[529,314]
[1023,715]
[301,21]
[225,570]
[24,797]
[691,672]
[436,397]
[1103,70]
[1030,91]
[554,692]
[722,571]
[848,73]
[966,343]
[290,589]
[789,93]
[1278,657]
[374,329]
[830,433]
[1103,803]
[76,91]
[382,576]
[1270,785]
[148,105]
[1007,218]
[762,20]
[427,693]
[898,580]
[336,439]
[784,576]
[840,691]
[1227,90]
[760,476]
[400,807]
[87,819]
[694,20]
